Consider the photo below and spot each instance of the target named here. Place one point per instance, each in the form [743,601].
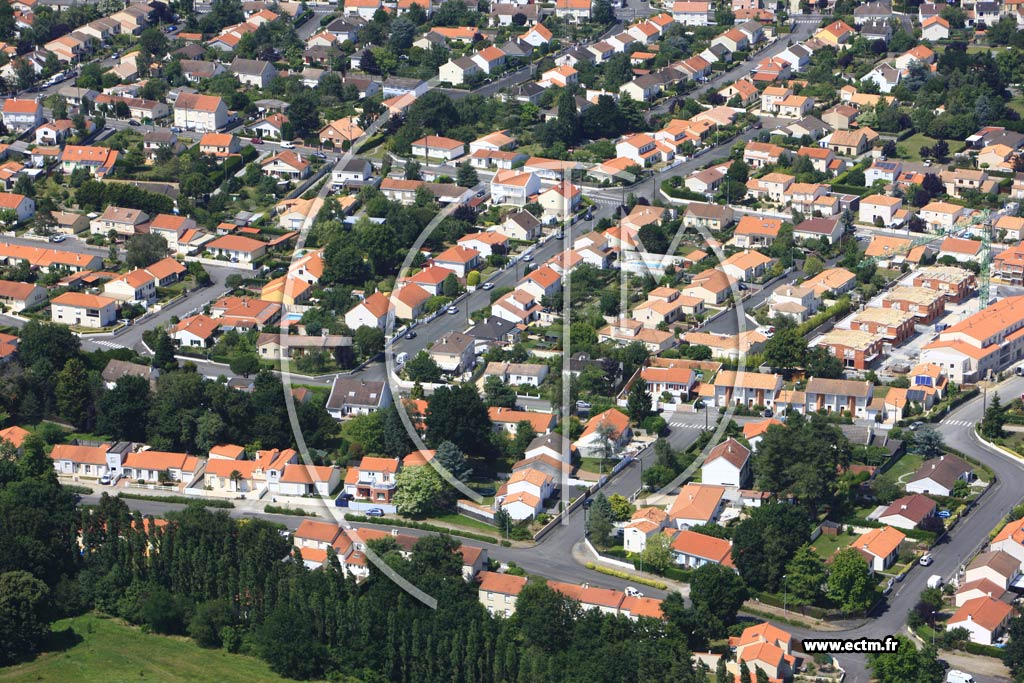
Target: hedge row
[180,500]
[627,576]
[422,526]
[282,510]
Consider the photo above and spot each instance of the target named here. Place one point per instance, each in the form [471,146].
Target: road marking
[958,423]
[108,344]
[686,425]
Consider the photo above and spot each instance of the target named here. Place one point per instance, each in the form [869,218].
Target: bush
[655,424]
[283,510]
[626,576]
[180,500]
[424,527]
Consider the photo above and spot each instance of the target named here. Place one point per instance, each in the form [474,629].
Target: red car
[256,141]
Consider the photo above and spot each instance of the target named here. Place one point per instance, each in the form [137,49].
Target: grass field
[905,465]
[103,650]
[464,521]
[825,546]
[910,149]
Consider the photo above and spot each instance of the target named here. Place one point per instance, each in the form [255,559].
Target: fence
[471,509]
[604,559]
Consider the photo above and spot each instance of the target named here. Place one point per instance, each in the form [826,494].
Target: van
[401,358]
[1019,371]
[955,676]
[287,144]
[935,581]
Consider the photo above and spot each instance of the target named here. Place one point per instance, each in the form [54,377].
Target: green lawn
[905,465]
[910,149]
[106,651]
[825,546]
[463,520]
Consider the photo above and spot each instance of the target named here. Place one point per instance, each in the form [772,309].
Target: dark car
[410,335]
[319,155]
[133,122]
[374,512]
[256,141]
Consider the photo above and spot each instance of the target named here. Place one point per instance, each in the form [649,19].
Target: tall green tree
[26,613]
[765,541]
[993,420]
[457,414]
[805,577]
[850,583]
[145,250]
[121,412]
[638,403]
[75,391]
[419,491]
[906,663]
[718,591]
[600,521]
[450,457]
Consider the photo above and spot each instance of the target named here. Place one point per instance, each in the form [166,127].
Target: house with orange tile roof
[99,160]
[746,388]
[201,113]
[697,505]
[645,523]
[880,546]
[438,147]
[14,435]
[138,285]
[935,28]
[17,296]
[713,286]
[236,248]
[372,480]
[458,259]
[692,550]
[499,592]
[1010,539]
[373,311]
[153,466]
[83,310]
[219,144]
[300,479]
[984,618]
[746,265]
[727,464]
[837,34]
[756,231]
[286,165]
[960,249]
[523,495]
[508,419]
[22,115]
[197,331]
[942,215]
[754,432]
[605,434]
[86,461]
[764,647]
[880,210]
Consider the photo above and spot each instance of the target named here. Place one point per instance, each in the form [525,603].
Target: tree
[412,170]
[467,176]
[602,12]
[927,442]
[369,340]
[48,342]
[457,414]
[450,286]
[145,250]
[453,460]
[638,404]
[765,541]
[422,368]
[657,554]
[622,509]
[303,114]
[600,521]
[208,621]
[499,394]
[289,644]
[719,592]
[245,364]
[805,577]
[850,584]
[546,619]
[121,412]
[801,459]
[1013,653]
[786,349]
[75,393]
[419,491]
[992,421]
[812,266]
[906,663]
[163,352]
[25,616]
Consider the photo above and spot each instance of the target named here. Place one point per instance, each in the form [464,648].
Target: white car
[287,144]
[926,560]
[633,592]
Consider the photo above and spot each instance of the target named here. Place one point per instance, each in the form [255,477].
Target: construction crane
[985,254]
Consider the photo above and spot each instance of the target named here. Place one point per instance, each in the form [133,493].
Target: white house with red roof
[430,278]
[85,461]
[605,434]
[152,466]
[764,647]
[692,550]
[514,187]
[197,331]
[727,464]
[908,512]
[300,479]
[438,147]
[286,165]
[486,243]
[373,311]
[984,618]
[644,523]
[458,259]
[880,547]
[499,592]
[372,480]
[561,200]
[1010,539]
[518,306]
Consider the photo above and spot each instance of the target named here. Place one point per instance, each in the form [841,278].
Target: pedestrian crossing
[108,344]
[958,423]
[686,425]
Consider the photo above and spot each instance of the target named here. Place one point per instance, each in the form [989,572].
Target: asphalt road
[965,539]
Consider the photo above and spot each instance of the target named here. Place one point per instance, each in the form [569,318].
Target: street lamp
[785,595]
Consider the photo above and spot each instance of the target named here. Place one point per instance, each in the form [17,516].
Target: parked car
[256,141]
[319,155]
[917,425]
[528,257]
[633,592]
[582,405]
[287,144]
[487,285]
[58,238]
[105,479]
[944,514]
[374,512]
[133,122]
[410,334]
[452,310]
